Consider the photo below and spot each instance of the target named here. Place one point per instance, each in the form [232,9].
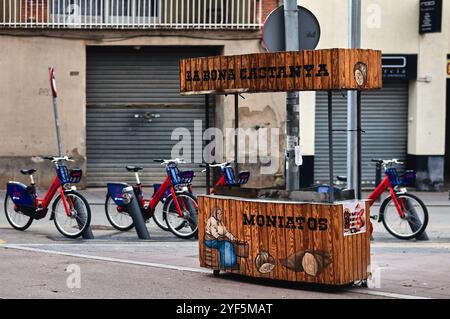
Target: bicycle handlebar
[55,159]
[215,165]
[168,161]
[387,162]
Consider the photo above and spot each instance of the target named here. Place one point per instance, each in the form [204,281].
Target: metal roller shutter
[123,86]
[384,119]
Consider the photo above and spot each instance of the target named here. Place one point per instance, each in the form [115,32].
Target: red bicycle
[227,175]
[70,211]
[179,211]
[403,215]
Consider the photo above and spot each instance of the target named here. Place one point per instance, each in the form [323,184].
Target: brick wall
[34,10]
[267,7]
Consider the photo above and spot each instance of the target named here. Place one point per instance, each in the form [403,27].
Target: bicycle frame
[54,187]
[384,185]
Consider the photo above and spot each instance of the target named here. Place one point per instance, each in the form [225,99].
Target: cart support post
[358,144]
[330,145]
[236,126]
[207,125]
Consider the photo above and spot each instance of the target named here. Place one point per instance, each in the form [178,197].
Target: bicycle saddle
[132,168]
[341,178]
[28,171]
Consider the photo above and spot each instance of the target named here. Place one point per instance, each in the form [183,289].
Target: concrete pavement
[406,269]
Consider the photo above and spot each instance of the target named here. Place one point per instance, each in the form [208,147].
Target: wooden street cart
[326,243]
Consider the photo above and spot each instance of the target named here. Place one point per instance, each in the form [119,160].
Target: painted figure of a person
[218,237]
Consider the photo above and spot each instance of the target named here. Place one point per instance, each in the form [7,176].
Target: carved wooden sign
[311,70]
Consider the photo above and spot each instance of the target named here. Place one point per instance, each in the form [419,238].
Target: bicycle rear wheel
[17,219]
[117,216]
[185,226]
[414,222]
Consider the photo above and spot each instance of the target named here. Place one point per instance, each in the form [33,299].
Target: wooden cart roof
[310,70]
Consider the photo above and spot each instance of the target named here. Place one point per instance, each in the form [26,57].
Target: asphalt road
[34,264]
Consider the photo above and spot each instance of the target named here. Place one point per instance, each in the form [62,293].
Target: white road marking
[181,268]
[117,260]
[385,294]
[411,245]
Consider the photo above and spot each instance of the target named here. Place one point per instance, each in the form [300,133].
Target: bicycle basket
[186,177]
[75,175]
[173,173]
[229,175]
[393,176]
[63,174]
[243,177]
[408,178]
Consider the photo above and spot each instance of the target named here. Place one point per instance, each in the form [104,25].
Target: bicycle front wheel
[415,218]
[79,218]
[185,226]
[159,217]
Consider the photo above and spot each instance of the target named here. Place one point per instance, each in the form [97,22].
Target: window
[76,7]
[136,8]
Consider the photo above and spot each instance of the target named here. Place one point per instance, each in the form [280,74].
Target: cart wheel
[216,272]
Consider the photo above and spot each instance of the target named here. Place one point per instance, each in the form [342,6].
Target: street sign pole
[55,108]
[354,29]
[292,98]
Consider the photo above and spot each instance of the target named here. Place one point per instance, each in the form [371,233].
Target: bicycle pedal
[374,217]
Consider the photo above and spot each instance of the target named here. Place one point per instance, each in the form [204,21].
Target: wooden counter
[294,241]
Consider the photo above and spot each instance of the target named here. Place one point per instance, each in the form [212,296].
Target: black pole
[378,178]
[207,124]
[330,145]
[87,233]
[236,126]
[133,208]
[358,134]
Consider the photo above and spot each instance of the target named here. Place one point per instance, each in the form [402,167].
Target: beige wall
[27,124]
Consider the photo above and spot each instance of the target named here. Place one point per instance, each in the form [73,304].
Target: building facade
[116,67]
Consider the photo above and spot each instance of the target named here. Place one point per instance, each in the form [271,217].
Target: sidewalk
[96,196]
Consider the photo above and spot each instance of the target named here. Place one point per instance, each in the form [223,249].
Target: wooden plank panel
[308,69]
[182,66]
[291,247]
[205,67]
[237,66]
[290,70]
[281,235]
[248,235]
[299,81]
[273,241]
[264,72]
[271,72]
[263,80]
[244,71]
[338,244]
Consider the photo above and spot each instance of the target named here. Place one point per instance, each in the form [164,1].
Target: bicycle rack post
[87,234]
[414,221]
[134,210]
